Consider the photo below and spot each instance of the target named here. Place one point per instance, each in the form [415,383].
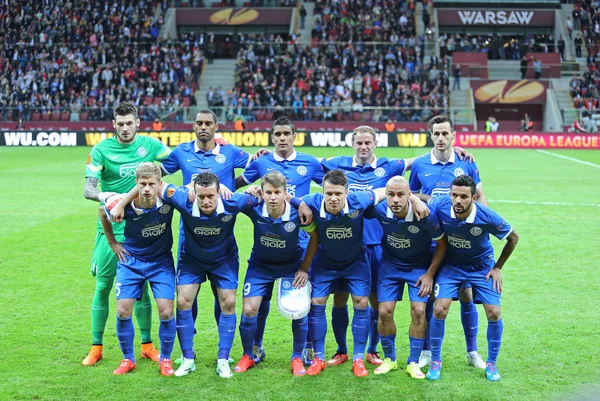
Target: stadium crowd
[378,74]
[497,47]
[64,60]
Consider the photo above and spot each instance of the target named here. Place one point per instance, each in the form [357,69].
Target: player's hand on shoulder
[120,251]
[225,192]
[426,283]
[260,153]
[421,210]
[300,279]
[220,140]
[463,154]
[254,190]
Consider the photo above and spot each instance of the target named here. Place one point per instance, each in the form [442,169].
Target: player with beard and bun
[112,164]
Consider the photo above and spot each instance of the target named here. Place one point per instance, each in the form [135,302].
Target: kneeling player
[145,255]
[407,259]
[470,259]
[276,253]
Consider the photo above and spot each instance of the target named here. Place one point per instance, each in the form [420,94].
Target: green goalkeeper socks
[100,308]
[143,314]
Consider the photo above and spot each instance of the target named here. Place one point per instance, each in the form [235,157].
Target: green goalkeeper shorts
[104,261]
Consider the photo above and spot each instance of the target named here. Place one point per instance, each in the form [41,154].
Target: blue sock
[261,322]
[416,345]
[373,333]
[437,329]
[388,343]
[195,312]
[226,334]
[494,337]
[309,341]
[166,334]
[247,331]
[360,332]
[428,316]
[126,334]
[339,323]
[470,323]
[185,332]
[317,325]
[217,310]
[300,331]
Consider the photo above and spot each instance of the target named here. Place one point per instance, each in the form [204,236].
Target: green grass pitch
[550,349]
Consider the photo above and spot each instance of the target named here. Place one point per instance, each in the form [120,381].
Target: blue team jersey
[208,239]
[432,177]
[406,242]
[341,236]
[148,234]
[469,240]
[221,161]
[275,240]
[365,178]
[299,170]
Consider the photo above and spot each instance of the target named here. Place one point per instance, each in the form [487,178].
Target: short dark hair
[336,177]
[283,120]
[208,111]
[465,181]
[207,180]
[442,118]
[124,109]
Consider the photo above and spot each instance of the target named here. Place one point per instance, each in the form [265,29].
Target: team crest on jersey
[413,229]
[170,192]
[164,209]
[227,218]
[220,158]
[458,171]
[289,227]
[301,170]
[476,231]
[142,152]
[353,214]
[379,172]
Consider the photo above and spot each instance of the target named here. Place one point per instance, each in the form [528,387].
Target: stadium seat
[83,116]
[36,117]
[46,117]
[56,116]
[65,116]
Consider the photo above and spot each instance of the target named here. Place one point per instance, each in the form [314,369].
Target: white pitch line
[519,202]
[569,158]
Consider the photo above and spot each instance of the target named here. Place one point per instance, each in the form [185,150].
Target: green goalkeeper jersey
[114,164]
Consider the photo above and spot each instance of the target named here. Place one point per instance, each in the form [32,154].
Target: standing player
[300,170]
[112,163]
[407,259]
[202,155]
[341,260]
[431,175]
[276,253]
[145,255]
[470,258]
[365,171]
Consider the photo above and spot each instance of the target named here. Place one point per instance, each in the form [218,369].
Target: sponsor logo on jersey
[339,232]
[359,187]
[289,227]
[301,170]
[459,243]
[379,172]
[440,192]
[272,242]
[227,218]
[154,231]
[142,152]
[128,169]
[291,189]
[207,231]
[164,209]
[475,231]
[413,229]
[398,243]
[353,214]
[458,171]
[220,158]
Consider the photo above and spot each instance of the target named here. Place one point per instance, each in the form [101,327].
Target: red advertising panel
[472,65]
[234,16]
[550,64]
[522,140]
[478,17]
[510,91]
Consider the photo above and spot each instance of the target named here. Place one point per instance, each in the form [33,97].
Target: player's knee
[123,312]
[386,312]
[103,286]
[440,310]
[228,304]
[250,310]
[361,302]
[417,312]
[165,312]
[493,313]
[183,302]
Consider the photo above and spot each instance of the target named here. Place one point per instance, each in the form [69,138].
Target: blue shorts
[224,275]
[132,274]
[375,255]
[451,278]
[259,280]
[391,283]
[355,279]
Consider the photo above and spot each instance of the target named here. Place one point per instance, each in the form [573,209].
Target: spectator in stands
[526,124]
[302,16]
[578,44]
[524,63]
[456,75]
[491,125]
[561,47]
[20,125]
[537,68]
[157,125]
